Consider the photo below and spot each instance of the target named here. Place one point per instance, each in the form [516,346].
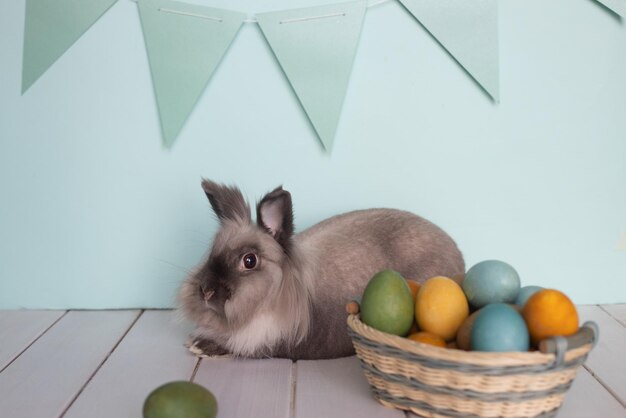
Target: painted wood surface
[45,379]
[151,354]
[249,388]
[18,329]
[336,388]
[616,311]
[104,363]
[607,361]
[587,398]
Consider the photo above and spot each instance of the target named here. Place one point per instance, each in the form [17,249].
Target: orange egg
[549,313]
[414,286]
[428,338]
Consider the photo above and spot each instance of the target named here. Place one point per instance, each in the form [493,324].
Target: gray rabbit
[267,292]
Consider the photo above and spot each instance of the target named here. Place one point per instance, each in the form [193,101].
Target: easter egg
[440,307]
[524,293]
[387,304]
[427,338]
[491,281]
[414,286]
[549,313]
[180,399]
[498,327]
[463,335]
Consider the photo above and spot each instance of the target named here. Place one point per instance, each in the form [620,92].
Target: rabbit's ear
[274,213]
[227,202]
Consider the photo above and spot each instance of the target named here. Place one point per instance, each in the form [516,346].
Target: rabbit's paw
[206,348]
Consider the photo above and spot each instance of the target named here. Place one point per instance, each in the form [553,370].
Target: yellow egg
[441,307]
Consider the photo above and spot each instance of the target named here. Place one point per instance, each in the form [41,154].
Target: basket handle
[588,333]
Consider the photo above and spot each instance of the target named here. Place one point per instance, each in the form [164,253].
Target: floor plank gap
[80,391]
[33,342]
[612,316]
[292,402]
[605,386]
[195,369]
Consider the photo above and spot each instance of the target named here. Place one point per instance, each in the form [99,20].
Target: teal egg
[499,327]
[524,293]
[491,281]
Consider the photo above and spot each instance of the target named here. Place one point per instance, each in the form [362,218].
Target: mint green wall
[95,213]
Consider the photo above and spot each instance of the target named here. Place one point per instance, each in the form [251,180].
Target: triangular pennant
[51,27]
[617,6]
[315,48]
[468,30]
[185,44]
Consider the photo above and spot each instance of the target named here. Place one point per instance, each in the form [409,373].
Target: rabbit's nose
[207,293]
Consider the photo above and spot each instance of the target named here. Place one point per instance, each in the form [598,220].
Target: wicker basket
[438,382]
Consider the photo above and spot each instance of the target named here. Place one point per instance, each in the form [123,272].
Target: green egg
[387,303]
[180,399]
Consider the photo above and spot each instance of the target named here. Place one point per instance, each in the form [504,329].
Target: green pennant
[315,48]
[468,30]
[617,6]
[50,28]
[185,44]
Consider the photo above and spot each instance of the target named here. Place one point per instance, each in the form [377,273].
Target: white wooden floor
[103,364]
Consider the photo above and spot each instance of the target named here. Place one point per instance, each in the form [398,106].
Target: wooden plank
[588,398]
[44,380]
[151,354]
[18,329]
[248,388]
[607,360]
[617,311]
[336,388]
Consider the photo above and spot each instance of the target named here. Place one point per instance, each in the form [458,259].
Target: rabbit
[265,291]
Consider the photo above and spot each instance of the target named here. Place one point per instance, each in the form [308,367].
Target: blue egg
[491,281]
[524,293]
[499,327]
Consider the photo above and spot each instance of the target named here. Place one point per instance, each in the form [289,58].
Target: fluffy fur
[291,302]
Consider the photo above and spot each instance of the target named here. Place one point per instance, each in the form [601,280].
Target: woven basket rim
[493,359]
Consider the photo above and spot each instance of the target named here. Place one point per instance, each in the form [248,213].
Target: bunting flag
[315,48]
[185,44]
[468,30]
[617,6]
[51,27]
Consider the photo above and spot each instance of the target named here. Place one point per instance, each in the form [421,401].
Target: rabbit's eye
[249,261]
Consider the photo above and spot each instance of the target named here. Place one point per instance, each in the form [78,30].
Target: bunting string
[370,4]
[178,12]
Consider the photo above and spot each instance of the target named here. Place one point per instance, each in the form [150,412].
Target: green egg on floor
[180,399]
